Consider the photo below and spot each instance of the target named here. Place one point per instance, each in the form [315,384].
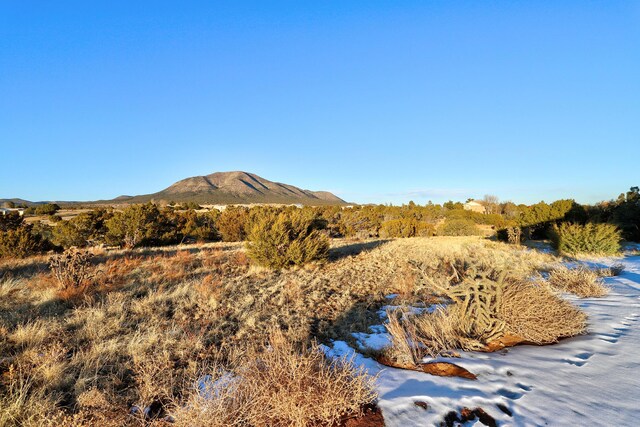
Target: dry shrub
[283,385]
[405,345]
[72,270]
[611,271]
[240,259]
[580,281]
[213,258]
[482,311]
[94,409]
[42,282]
[115,271]
[185,259]
[414,336]
[439,332]
[536,314]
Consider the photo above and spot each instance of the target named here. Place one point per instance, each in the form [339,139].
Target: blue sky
[377,101]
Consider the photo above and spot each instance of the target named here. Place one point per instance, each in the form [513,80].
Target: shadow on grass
[354,249]
[25,271]
[29,311]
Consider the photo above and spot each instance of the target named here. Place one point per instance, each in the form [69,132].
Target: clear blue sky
[376,101]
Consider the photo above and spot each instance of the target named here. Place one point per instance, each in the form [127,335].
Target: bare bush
[72,269]
[534,313]
[580,281]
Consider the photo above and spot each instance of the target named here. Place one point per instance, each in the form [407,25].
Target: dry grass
[528,310]
[405,345]
[579,281]
[153,317]
[283,385]
[414,337]
[484,282]
[536,314]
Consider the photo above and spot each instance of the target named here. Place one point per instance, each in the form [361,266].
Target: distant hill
[223,188]
[18,202]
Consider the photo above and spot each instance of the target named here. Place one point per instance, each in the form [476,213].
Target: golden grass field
[149,322]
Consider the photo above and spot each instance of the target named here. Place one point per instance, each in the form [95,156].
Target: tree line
[153,225]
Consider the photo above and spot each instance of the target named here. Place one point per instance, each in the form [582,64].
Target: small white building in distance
[5,211]
[472,205]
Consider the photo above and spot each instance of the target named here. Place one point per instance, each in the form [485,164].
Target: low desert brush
[282,385]
[483,310]
[580,281]
[536,314]
[414,336]
[477,300]
[72,269]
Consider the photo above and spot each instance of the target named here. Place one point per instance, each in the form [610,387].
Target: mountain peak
[238,187]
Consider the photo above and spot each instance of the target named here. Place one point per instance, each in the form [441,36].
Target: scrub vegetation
[151,315]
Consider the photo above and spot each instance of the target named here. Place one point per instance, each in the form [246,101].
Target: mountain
[18,202]
[234,188]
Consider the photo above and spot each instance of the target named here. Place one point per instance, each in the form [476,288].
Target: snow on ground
[590,380]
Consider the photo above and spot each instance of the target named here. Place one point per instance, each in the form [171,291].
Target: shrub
[416,336]
[596,239]
[537,315]
[406,227]
[191,206]
[72,269]
[458,227]
[361,222]
[21,243]
[197,226]
[47,209]
[579,281]
[282,386]
[67,234]
[611,271]
[483,310]
[626,214]
[139,225]
[232,224]
[88,228]
[54,218]
[512,235]
[286,238]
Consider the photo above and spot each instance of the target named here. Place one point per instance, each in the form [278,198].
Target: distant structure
[5,211]
[474,206]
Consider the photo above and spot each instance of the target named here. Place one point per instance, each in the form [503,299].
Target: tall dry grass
[580,281]
[282,385]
